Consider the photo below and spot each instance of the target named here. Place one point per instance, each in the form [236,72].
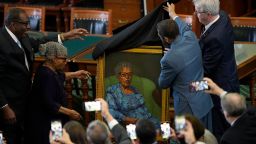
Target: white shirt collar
[232,123]
[209,24]
[12,35]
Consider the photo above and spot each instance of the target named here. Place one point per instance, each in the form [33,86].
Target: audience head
[168,30]
[205,9]
[55,54]
[76,132]
[124,73]
[145,131]
[197,126]
[233,105]
[98,133]
[17,21]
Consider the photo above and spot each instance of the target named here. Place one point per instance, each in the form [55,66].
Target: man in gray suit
[181,65]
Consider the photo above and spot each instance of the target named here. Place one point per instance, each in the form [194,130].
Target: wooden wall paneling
[234,8]
[123,12]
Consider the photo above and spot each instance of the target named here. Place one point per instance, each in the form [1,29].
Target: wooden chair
[244,28]
[36,16]
[95,21]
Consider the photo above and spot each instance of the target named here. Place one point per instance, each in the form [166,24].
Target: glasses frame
[199,12]
[126,75]
[23,22]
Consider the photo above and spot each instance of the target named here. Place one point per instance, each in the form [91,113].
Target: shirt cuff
[199,142]
[175,17]
[59,39]
[112,123]
[223,94]
[4,106]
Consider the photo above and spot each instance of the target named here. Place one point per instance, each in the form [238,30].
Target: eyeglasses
[23,22]
[63,59]
[125,75]
[199,12]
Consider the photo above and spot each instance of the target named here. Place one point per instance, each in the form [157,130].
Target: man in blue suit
[181,65]
[217,45]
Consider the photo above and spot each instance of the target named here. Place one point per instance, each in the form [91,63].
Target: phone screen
[1,138]
[56,128]
[92,106]
[180,123]
[166,130]
[131,131]
[198,86]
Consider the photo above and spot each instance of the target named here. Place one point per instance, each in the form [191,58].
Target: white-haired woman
[48,100]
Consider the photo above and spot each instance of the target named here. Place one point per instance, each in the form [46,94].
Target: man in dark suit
[16,60]
[242,120]
[217,44]
[181,65]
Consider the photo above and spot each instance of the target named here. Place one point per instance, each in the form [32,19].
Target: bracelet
[62,37]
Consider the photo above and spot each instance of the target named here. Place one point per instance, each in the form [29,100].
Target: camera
[92,106]
[131,131]
[56,128]
[180,123]
[166,130]
[198,86]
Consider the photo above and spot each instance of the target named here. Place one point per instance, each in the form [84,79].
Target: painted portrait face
[125,76]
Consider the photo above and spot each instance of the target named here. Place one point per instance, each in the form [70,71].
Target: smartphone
[165,130]
[56,128]
[92,106]
[180,123]
[1,138]
[198,86]
[131,131]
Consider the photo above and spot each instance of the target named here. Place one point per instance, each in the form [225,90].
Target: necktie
[25,56]
[202,30]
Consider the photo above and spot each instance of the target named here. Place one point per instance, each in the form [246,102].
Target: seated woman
[126,104]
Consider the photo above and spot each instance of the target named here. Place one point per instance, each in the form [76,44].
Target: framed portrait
[145,62]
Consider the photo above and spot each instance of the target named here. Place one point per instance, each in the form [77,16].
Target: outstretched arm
[82,74]
[183,27]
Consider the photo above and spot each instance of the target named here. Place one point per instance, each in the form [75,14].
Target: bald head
[233,104]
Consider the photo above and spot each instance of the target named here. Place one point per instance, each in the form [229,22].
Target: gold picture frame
[147,63]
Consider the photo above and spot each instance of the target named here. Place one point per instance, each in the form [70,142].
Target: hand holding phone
[180,123]
[92,106]
[131,131]
[198,86]
[56,128]
[166,130]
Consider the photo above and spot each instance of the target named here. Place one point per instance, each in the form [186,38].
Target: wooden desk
[245,54]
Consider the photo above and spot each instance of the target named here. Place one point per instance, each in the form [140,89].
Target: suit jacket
[217,45]
[120,135]
[15,78]
[181,65]
[243,131]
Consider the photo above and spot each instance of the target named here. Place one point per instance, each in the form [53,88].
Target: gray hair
[121,65]
[98,133]
[233,104]
[52,50]
[210,6]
